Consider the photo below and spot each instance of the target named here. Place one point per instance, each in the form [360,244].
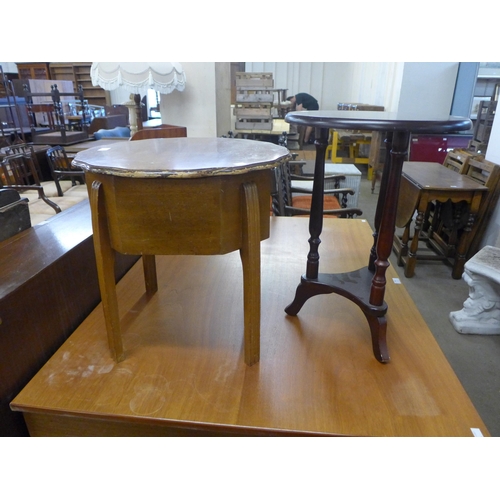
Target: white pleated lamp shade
[138,77]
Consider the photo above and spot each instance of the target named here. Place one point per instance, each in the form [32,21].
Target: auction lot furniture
[180,196]
[421,184]
[366,286]
[315,377]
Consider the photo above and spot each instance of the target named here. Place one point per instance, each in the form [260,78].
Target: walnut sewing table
[180,196]
[366,286]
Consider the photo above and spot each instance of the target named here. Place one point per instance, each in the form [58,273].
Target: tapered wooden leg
[105,259]
[150,279]
[250,258]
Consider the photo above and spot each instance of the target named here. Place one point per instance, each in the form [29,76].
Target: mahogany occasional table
[180,196]
[366,286]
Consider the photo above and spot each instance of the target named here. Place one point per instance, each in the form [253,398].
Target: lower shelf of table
[184,372]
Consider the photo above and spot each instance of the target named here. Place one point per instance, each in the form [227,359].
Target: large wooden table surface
[184,371]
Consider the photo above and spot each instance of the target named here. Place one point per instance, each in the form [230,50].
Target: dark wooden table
[366,286]
[422,183]
[181,196]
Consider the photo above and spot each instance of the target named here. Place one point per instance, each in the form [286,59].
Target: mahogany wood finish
[107,122]
[162,131]
[48,286]
[184,372]
[181,196]
[365,287]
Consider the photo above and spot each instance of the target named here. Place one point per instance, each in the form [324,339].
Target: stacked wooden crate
[254,101]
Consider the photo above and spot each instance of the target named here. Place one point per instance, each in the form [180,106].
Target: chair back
[487,173]
[59,162]
[482,171]
[18,170]
[457,160]
[290,200]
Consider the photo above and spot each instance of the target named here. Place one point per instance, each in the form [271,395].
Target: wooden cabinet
[79,74]
[63,71]
[33,71]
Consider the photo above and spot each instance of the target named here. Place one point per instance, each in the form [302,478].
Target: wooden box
[261,80]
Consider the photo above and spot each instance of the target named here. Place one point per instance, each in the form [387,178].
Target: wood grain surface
[184,372]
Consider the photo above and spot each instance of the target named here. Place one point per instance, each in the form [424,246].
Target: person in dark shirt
[304,102]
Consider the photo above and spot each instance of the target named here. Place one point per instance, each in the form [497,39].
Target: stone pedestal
[481,311]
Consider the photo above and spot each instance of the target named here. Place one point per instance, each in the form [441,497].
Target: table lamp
[137,77]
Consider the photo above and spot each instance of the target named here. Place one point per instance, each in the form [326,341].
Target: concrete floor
[474,358]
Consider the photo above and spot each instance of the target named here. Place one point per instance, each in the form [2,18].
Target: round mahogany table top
[380,120]
[181,157]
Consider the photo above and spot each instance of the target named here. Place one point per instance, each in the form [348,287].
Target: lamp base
[135,115]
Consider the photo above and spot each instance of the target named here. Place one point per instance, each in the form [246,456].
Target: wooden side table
[366,286]
[180,196]
[422,183]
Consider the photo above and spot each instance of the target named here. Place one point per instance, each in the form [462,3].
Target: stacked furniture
[446,208]
[13,122]
[254,101]
[52,104]
[482,126]
[76,72]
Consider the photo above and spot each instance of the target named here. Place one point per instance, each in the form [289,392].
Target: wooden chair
[450,219]
[457,160]
[18,172]
[288,200]
[55,131]
[61,168]
[14,213]
[162,131]
[482,127]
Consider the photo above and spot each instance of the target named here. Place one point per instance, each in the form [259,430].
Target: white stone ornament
[481,311]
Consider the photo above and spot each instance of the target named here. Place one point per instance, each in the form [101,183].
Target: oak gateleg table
[366,286]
